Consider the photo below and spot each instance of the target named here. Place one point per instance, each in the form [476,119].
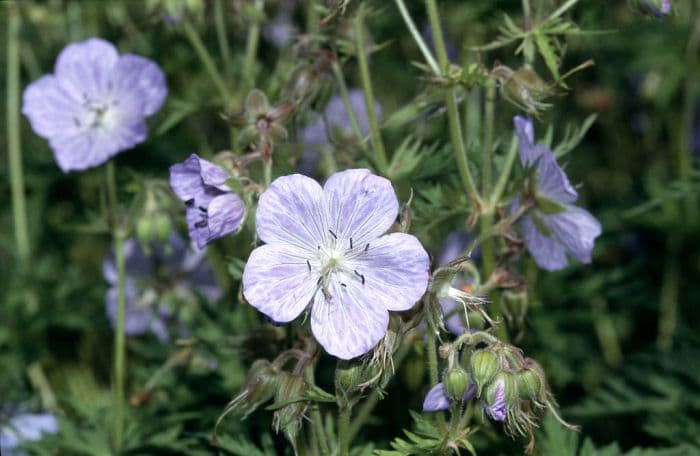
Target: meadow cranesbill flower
[156,283]
[437,398]
[554,227]
[326,248]
[95,104]
[29,427]
[213,210]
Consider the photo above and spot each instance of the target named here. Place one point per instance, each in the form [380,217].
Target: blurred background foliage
[618,338]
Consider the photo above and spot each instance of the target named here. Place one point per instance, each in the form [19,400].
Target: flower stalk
[14,147]
[251,49]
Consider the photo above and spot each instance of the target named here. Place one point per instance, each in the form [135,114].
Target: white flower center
[97,115]
[336,261]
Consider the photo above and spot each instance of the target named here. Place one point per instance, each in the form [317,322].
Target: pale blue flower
[29,427]
[552,235]
[95,104]
[325,248]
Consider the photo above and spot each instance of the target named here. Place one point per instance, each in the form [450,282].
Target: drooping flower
[213,210]
[334,126]
[157,283]
[326,248]
[554,227]
[495,406]
[95,104]
[29,427]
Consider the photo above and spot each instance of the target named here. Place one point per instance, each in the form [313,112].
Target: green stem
[119,334]
[668,311]
[251,50]
[14,146]
[452,110]
[267,170]
[424,49]
[505,173]
[487,164]
[380,154]
[316,419]
[344,429]
[207,61]
[343,88]
[433,374]
[222,36]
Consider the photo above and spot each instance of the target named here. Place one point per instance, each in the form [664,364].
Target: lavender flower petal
[498,410]
[549,254]
[137,319]
[276,281]
[292,211]
[396,268]
[139,76]
[436,399]
[577,230]
[224,215]
[84,68]
[26,426]
[351,322]
[363,206]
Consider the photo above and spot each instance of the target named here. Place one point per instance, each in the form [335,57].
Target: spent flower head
[326,248]
[213,209]
[554,227]
[95,104]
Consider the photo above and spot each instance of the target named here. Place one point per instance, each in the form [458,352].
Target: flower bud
[261,383]
[456,381]
[288,418]
[144,230]
[501,396]
[161,227]
[530,385]
[256,105]
[347,378]
[484,365]
[524,88]
[658,8]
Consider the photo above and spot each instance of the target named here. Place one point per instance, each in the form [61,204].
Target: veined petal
[436,399]
[360,205]
[225,214]
[548,252]
[348,324]
[85,68]
[293,211]
[577,230]
[187,180]
[51,110]
[277,281]
[396,271]
[140,77]
[524,130]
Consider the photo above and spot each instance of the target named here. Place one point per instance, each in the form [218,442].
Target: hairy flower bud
[658,8]
[530,385]
[261,383]
[288,418]
[524,88]
[484,365]
[456,381]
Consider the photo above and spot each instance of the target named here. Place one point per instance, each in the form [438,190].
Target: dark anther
[189,202]
[350,243]
[333,234]
[343,285]
[318,282]
[201,223]
[367,247]
[362,277]
[203,209]
[76,121]
[309,265]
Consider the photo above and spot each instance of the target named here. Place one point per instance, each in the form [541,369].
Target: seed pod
[484,365]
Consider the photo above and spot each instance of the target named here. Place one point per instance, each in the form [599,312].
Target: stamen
[308,263]
[189,202]
[201,223]
[362,277]
[367,247]
[343,285]
[203,209]
[350,243]
[333,234]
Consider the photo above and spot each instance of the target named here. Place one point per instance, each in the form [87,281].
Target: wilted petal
[396,270]
[350,323]
[361,205]
[436,399]
[135,76]
[277,281]
[292,211]
[85,68]
[577,230]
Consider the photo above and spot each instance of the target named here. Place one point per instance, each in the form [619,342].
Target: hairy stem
[344,413]
[251,50]
[460,151]
[14,147]
[378,145]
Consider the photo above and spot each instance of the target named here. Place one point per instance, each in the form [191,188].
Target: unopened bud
[161,226]
[262,382]
[256,105]
[524,88]
[144,230]
[530,385]
[658,8]
[484,365]
[456,381]
[288,418]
